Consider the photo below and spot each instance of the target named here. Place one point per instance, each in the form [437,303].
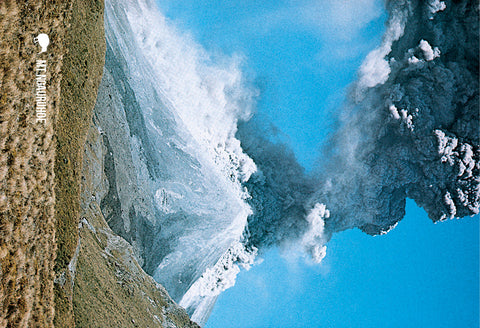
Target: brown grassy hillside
[27,159]
[81,74]
[40,162]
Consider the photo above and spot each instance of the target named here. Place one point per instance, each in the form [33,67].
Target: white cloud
[436,6]
[339,19]
[414,60]
[407,118]
[394,111]
[314,239]
[446,147]
[375,69]
[428,52]
[452,209]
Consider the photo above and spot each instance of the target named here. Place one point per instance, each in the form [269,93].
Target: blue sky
[419,275]
[303,55]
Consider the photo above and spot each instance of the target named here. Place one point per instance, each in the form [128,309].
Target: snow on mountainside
[168,114]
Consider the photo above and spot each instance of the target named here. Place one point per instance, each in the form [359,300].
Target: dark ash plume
[278,189]
[408,129]
[416,133]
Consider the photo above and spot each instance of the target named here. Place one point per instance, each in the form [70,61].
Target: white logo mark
[43,40]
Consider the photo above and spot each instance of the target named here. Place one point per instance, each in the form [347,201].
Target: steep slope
[27,156]
[167,115]
[110,288]
[83,61]
[40,170]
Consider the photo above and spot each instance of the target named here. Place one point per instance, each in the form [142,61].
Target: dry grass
[27,159]
[82,72]
[33,211]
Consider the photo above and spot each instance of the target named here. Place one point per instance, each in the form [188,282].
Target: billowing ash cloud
[415,133]
[408,129]
[277,190]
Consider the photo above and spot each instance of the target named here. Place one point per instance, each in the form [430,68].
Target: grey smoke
[278,190]
[408,129]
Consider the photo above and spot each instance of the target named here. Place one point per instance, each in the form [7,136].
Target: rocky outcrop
[110,287]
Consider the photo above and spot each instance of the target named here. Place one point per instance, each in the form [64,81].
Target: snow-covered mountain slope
[168,113]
